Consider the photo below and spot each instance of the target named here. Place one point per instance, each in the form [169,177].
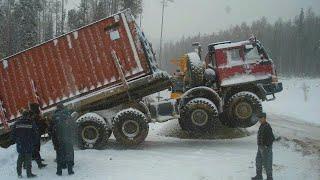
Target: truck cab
[242,63]
[235,77]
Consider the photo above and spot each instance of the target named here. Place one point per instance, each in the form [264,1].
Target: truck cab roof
[231,45]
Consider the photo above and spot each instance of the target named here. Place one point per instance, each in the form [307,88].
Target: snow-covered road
[164,157]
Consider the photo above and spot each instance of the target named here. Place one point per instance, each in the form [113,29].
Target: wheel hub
[244,110]
[199,117]
[90,134]
[130,128]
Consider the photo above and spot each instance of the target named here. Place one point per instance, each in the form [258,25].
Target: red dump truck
[99,66]
[111,65]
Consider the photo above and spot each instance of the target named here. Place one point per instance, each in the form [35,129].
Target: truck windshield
[252,54]
[255,52]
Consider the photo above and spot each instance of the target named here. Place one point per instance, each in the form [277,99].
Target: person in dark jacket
[64,136]
[264,155]
[41,128]
[24,134]
[52,129]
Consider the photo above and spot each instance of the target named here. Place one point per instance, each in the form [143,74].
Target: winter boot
[70,171]
[59,171]
[41,165]
[70,168]
[269,178]
[257,178]
[31,175]
[29,172]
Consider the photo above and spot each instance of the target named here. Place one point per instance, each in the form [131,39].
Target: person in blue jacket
[64,133]
[24,134]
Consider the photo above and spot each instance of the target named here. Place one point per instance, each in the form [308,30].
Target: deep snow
[300,99]
[164,156]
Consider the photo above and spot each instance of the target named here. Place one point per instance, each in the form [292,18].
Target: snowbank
[300,99]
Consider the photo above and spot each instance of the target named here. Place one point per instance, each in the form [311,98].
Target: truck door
[257,63]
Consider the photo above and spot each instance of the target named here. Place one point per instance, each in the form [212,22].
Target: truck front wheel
[199,115]
[242,109]
[130,127]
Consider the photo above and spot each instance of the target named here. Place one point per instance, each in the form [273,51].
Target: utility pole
[164,4]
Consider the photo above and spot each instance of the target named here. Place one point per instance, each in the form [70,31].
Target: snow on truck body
[235,67]
[84,68]
[244,62]
[235,78]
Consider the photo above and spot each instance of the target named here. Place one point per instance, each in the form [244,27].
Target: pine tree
[48,21]
[134,5]
[26,14]
[74,21]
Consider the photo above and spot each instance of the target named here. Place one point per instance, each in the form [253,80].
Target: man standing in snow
[264,155]
[64,133]
[41,128]
[24,134]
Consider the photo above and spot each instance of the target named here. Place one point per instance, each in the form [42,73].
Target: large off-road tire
[93,132]
[199,115]
[195,70]
[182,122]
[241,110]
[130,127]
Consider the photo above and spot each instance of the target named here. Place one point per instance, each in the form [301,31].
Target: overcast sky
[190,17]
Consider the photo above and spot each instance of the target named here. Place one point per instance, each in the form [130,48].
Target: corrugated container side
[72,65]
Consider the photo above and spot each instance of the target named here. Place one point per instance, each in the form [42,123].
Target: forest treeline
[25,23]
[293,44]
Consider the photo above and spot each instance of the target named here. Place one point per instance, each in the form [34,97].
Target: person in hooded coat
[64,134]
